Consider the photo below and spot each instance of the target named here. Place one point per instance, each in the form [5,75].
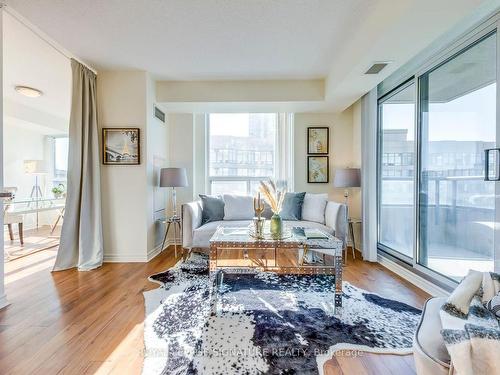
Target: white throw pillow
[313,208]
[238,207]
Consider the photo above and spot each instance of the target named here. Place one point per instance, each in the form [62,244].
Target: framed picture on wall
[317,140]
[121,146]
[317,169]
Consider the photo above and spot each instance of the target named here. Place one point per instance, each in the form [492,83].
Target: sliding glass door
[439,163]
[397,171]
[458,124]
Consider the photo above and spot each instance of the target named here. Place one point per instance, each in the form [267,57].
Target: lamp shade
[347,177]
[173,177]
[34,167]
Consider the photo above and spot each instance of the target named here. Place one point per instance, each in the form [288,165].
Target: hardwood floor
[35,240]
[74,322]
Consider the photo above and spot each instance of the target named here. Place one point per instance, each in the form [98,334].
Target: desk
[29,206]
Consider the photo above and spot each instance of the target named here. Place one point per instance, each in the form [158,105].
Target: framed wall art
[317,169]
[121,146]
[318,139]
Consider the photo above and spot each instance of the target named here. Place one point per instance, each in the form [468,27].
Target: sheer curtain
[81,238]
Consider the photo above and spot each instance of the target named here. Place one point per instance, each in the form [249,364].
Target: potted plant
[274,197]
[58,191]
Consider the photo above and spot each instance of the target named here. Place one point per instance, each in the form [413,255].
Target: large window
[242,151]
[439,171]
[458,123]
[397,170]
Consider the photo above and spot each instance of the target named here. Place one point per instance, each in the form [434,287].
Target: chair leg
[21,234]
[11,233]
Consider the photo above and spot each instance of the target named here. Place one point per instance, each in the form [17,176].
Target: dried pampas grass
[272,195]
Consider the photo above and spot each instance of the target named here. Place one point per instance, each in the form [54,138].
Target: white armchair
[10,217]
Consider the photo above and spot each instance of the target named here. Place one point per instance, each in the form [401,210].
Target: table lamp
[37,168]
[347,178]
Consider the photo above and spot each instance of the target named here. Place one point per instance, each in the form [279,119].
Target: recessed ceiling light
[28,91]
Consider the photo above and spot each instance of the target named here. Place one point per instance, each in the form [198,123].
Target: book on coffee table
[310,233]
[314,234]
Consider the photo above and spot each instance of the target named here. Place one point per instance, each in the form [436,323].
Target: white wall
[22,144]
[3,298]
[122,103]
[341,153]
[157,147]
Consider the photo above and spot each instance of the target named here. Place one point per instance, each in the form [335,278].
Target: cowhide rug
[264,323]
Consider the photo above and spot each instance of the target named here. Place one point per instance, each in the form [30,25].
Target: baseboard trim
[413,278]
[4,302]
[120,258]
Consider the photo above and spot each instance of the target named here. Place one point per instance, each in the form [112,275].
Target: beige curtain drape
[81,237]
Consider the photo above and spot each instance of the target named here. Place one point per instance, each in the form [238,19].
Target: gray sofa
[197,236]
[429,350]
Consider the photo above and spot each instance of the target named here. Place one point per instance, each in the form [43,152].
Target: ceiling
[250,40]
[30,61]
[197,40]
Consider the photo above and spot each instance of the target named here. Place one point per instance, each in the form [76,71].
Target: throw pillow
[238,207]
[314,207]
[494,305]
[212,208]
[292,206]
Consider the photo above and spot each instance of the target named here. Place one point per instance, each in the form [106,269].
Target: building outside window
[248,143]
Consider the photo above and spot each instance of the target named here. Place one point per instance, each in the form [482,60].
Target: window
[60,160]
[242,151]
[396,196]
[438,206]
[457,206]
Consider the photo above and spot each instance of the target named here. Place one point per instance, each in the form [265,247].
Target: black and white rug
[265,323]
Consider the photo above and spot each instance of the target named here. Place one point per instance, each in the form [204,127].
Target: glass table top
[292,235]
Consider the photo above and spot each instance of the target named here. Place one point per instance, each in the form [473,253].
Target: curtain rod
[40,34]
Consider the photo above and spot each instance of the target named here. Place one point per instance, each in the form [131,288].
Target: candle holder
[258,220]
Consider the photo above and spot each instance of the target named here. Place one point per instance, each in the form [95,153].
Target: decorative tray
[266,236]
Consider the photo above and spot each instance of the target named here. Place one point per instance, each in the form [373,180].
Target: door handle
[4,195]
[487,153]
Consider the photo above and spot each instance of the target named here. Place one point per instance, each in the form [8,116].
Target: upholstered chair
[10,217]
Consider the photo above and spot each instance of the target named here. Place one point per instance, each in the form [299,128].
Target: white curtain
[81,237]
[369,174]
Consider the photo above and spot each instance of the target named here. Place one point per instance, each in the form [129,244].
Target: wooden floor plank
[92,322]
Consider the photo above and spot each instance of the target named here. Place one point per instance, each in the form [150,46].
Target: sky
[471,117]
[229,124]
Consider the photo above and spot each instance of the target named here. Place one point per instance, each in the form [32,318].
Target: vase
[276,226]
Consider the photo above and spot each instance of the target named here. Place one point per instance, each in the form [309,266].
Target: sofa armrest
[336,218]
[191,219]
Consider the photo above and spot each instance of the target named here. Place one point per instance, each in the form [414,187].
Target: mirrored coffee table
[234,250]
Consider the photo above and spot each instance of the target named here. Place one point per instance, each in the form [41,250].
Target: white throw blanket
[470,331]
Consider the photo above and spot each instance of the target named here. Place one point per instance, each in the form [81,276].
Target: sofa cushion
[238,207]
[202,235]
[292,206]
[428,339]
[313,208]
[212,208]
